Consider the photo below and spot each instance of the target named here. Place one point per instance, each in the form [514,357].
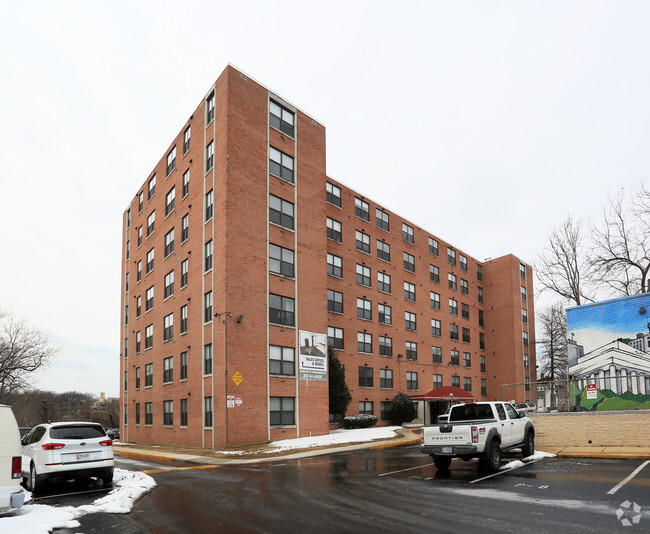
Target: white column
[624,385]
[601,379]
[613,380]
[635,383]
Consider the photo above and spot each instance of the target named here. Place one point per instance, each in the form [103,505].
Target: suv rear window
[77,432]
[471,412]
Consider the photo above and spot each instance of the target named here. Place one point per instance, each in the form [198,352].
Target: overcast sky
[483,122]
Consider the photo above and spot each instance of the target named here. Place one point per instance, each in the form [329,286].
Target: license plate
[82,456]
[447,450]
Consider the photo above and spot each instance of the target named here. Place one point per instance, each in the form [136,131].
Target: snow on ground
[538,455]
[128,487]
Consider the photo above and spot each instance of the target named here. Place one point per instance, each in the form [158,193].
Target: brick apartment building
[242,259]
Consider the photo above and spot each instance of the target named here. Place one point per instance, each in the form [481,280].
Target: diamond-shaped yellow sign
[237,378]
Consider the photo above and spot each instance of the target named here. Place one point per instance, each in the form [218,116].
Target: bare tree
[561,267]
[23,350]
[620,255]
[552,349]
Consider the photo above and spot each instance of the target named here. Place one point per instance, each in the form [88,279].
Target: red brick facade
[244,231]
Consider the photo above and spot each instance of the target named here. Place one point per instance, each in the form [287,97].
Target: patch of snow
[336,437]
[538,455]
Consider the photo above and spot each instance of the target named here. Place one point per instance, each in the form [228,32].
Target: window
[526,361]
[522,270]
[480,295]
[436,329]
[411,380]
[362,242]
[207,408]
[386,411]
[209,114]
[127,250]
[464,311]
[433,246]
[481,341]
[410,323]
[207,307]
[523,293]
[464,287]
[482,364]
[168,370]
[467,359]
[361,209]
[435,300]
[209,247]
[333,194]
[334,301]
[409,262]
[137,378]
[150,261]
[168,327]
[185,267]
[437,381]
[184,319]
[148,375]
[171,160]
[409,291]
[170,201]
[434,273]
[138,337]
[333,230]
[526,383]
[151,191]
[453,283]
[186,139]
[525,339]
[467,383]
[140,201]
[524,315]
[151,223]
[280,164]
[407,233]
[334,266]
[451,256]
[282,411]
[183,365]
[126,282]
[281,310]
[436,353]
[364,342]
[138,306]
[169,284]
[280,212]
[453,306]
[481,318]
[455,381]
[186,183]
[385,313]
[139,236]
[453,332]
[126,380]
[335,337]
[207,359]
[281,361]
[209,156]
[281,118]
[386,378]
[382,220]
[209,205]
[148,337]
[385,346]
[383,282]
[364,309]
[148,413]
[411,351]
[466,335]
[483,387]
[169,242]
[365,407]
[363,275]
[126,314]
[479,273]
[280,260]
[185,228]
[183,412]
[365,377]
[383,251]
[462,262]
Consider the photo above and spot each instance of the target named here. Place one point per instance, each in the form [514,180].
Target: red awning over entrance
[445,393]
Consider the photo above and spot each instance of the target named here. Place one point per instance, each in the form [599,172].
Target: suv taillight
[474,434]
[106,442]
[15,466]
[52,446]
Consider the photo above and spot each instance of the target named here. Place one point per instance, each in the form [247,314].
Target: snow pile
[128,487]
[538,455]
[336,437]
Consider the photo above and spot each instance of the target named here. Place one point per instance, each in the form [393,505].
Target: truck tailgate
[448,434]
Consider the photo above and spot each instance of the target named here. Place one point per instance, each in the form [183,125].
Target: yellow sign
[237,378]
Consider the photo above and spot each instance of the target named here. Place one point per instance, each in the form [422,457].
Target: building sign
[239,401]
[313,356]
[592,392]
[237,378]
[230,401]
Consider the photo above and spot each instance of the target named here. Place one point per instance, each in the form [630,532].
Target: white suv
[66,450]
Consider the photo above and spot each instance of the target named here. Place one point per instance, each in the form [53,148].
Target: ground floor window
[385,412]
[208,411]
[365,407]
[282,411]
[168,413]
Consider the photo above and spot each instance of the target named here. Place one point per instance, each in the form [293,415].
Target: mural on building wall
[609,353]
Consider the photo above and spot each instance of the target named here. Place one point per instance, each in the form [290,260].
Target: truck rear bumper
[456,450]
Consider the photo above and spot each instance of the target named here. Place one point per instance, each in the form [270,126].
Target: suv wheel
[34,481]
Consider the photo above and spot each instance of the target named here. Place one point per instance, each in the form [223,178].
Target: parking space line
[403,470]
[192,468]
[630,477]
[505,471]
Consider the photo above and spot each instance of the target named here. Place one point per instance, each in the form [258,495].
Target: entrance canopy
[451,393]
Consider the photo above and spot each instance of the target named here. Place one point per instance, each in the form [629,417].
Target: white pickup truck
[478,430]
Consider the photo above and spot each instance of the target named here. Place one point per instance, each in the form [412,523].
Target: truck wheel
[493,458]
[529,445]
[442,462]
